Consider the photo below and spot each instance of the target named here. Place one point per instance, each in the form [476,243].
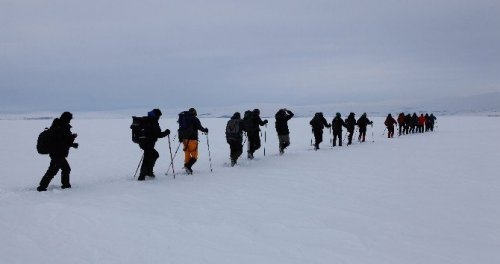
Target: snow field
[422,198]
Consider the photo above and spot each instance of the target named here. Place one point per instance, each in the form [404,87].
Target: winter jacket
[350,123]
[253,124]
[337,124]
[319,122]
[363,122]
[62,138]
[282,117]
[389,122]
[236,137]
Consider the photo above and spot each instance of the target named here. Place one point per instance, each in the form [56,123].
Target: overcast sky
[118,54]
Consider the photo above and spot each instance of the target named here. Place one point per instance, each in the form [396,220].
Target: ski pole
[140,161]
[265,140]
[209,156]
[175,155]
[384,131]
[171,157]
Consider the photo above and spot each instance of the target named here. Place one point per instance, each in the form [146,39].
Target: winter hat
[192,111]
[154,113]
[256,111]
[338,114]
[237,115]
[66,116]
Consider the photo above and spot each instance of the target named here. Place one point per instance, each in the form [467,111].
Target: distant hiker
[401,123]
[432,120]
[414,123]
[427,122]
[318,123]
[150,133]
[59,140]
[189,125]
[362,123]
[337,124]
[282,117]
[234,137]
[389,123]
[421,123]
[252,126]
[407,124]
[350,124]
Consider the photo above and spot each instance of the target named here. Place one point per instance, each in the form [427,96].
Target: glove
[265,121]
[74,145]
[75,135]
[206,130]
[167,132]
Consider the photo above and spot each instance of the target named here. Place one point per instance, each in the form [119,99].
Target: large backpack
[45,141]
[233,130]
[186,125]
[138,129]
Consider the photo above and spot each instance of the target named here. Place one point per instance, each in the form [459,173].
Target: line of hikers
[58,139]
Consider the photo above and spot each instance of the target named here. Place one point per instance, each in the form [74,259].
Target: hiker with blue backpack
[189,124]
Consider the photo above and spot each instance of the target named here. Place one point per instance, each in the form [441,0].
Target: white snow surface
[422,198]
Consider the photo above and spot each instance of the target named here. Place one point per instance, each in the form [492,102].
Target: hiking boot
[250,155]
[233,162]
[41,189]
[141,177]
[66,186]
[152,175]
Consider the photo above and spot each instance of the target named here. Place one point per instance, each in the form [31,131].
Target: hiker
[407,124]
[427,122]
[414,123]
[362,123]
[389,123]
[60,140]
[337,124]
[189,124]
[234,137]
[401,123]
[151,133]
[252,127]
[282,117]
[421,123]
[432,121]
[350,123]
[318,123]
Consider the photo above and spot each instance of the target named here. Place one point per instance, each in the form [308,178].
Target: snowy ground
[423,198]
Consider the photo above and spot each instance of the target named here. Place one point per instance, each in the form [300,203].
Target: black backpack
[45,141]
[233,130]
[186,125]
[138,129]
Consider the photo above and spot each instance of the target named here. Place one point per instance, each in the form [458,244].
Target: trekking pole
[209,156]
[331,137]
[140,161]
[312,132]
[175,155]
[265,140]
[384,131]
[171,157]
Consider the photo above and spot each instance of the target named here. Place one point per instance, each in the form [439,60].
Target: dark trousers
[390,133]
[349,136]
[150,157]
[337,134]
[318,137]
[253,142]
[362,134]
[236,150]
[56,164]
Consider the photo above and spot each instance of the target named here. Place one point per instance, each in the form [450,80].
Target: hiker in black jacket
[234,137]
[350,124]
[282,117]
[337,124]
[362,123]
[252,127]
[152,133]
[61,140]
[318,123]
